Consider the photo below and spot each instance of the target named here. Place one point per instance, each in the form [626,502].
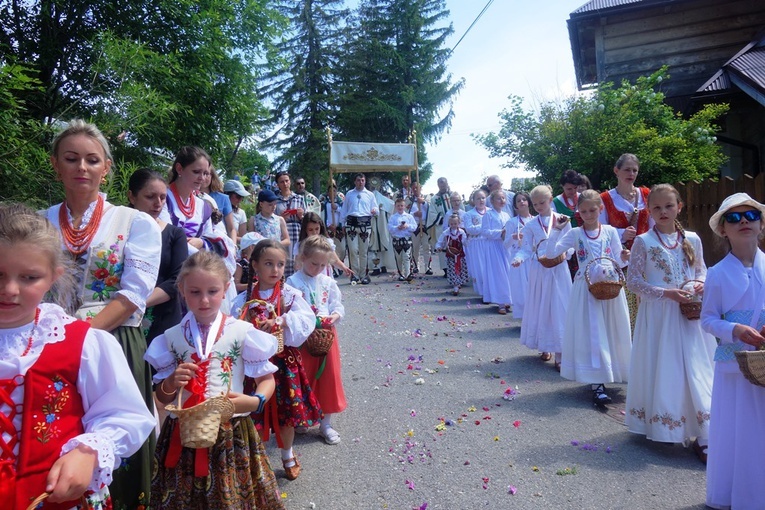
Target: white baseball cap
[234,186]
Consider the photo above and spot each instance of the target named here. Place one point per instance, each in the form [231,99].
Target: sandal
[293,471]
[701,451]
[545,356]
[599,396]
[501,310]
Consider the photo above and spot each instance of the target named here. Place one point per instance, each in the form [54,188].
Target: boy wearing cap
[236,192]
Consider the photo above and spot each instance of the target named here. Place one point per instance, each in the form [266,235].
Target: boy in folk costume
[401,227]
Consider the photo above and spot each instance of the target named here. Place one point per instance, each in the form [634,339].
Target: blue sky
[518,48]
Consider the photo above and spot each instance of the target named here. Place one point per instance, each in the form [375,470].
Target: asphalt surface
[427,426]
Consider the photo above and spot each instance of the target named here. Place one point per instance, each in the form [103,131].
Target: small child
[549,289]
[313,225]
[322,293]
[670,390]
[207,354]
[519,277]
[401,226]
[281,310]
[455,200]
[497,283]
[597,343]
[93,414]
[242,275]
[733,311]
[476,244]
[453,241]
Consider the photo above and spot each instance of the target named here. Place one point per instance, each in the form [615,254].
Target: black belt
[358,221]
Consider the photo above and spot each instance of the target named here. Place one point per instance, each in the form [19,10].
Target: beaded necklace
[32,334]
[186,210]
[588,235]
[658,235]
[77,240]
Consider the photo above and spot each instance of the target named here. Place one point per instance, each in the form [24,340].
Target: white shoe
[330,435]
[301,430]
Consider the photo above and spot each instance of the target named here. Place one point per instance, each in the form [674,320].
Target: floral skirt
[240,473]
[295,402]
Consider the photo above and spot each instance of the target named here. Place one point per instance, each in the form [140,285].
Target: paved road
[427,425]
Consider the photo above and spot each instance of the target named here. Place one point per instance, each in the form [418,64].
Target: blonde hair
[690,253]
[494,194]
[20,224]
[315,244]
[80,127]
[543,190]
[590,195]
[216,185]
[456,195]
[204,260]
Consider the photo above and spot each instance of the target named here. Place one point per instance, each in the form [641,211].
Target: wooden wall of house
[694,37]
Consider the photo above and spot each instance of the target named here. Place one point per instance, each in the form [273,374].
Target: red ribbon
[8,481]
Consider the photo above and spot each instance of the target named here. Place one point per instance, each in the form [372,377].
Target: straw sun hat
[735,200]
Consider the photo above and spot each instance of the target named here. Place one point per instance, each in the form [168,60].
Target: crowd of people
[215,314]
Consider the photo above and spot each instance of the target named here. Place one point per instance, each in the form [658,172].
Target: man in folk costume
[381,245]
[437,209]
[356,214]
[406,190]
[493,182]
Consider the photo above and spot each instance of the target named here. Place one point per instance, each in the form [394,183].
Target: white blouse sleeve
[699,267]
[160,358]
[490,229]
[636,282]
[711,308]
[335,301]
[258,348]
[556,244]
[527,245]
[142,256]
[472,223]
[300,321]
[116,420]
[441,243]
[616,247]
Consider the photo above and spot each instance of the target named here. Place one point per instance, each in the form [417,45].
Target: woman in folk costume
[626,208]
[733,310]
[497,285]
[208,355]
[596,347]
[547,296]
[670,390]
[117,256]
[565,203]
[519,276]
[474,250]
[68,414]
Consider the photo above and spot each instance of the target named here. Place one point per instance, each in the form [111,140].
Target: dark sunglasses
[735,217]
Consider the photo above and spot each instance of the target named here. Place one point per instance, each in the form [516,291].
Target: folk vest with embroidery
[105,265]
[51,415]
[618,219]
[662,268]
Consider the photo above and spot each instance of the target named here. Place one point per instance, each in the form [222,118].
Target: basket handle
[180,392]
[619,271]
[42,497]
[689,280]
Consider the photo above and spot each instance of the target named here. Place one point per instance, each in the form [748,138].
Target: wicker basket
[692,310]
[605,290]
[319,342]
[752,365]
[42,497]
[549,263]
[199,424]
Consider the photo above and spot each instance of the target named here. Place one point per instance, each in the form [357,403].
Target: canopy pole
[331,180]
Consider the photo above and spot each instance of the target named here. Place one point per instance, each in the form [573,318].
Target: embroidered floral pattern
[668,420]
[657,257]
[702,417]
[638,413]
[56,398]
[227,361]
[108,270]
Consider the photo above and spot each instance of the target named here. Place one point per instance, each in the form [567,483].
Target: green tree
[302,85]
[394,79]
[588,133]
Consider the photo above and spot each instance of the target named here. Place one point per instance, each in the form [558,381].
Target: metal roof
[597,5]
[752,66]
[716,83]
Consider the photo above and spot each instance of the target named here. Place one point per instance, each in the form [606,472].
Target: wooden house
[715,50]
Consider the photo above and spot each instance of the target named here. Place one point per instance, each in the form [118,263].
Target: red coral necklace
[77,240]
[32,333]
[187,210]
[658,234]
[596,235]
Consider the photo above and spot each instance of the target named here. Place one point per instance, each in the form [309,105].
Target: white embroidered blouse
[321,292]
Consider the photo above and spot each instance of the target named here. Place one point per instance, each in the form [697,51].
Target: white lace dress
[475,249]
[670,390]
[596,343]
[519,276]
[496,286]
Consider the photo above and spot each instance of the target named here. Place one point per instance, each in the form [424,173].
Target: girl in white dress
[94,415]
[519,276]
[596,346]
[733,310]
[548,291]
[670,390]
[497,287]
[476,244]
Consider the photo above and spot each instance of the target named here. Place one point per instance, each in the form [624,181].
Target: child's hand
[678,295]
[699,289]
[243,403]
[181,377]
[629,234]
[333,318]
[196,242]
[516,263]
[70,475]
[748,335]
[267,325]
[625,255]
[561,221]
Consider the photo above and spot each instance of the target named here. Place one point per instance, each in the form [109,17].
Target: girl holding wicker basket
[281,310]
[209,454]
[596,345]
[733,310]
[322,365]
[549,288]
[671,371]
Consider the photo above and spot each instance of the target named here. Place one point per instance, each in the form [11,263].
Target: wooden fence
[702,199]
